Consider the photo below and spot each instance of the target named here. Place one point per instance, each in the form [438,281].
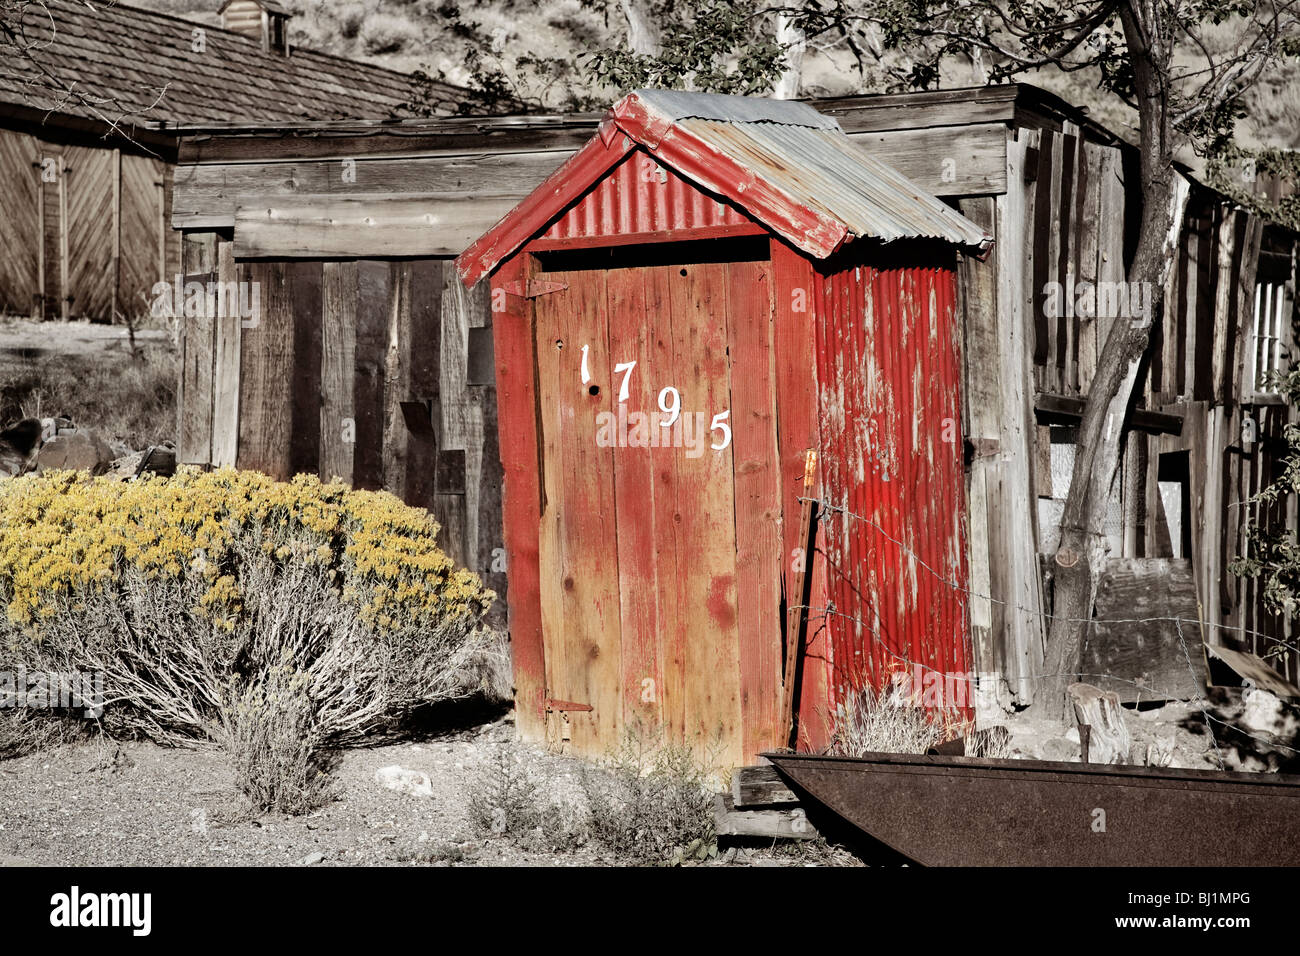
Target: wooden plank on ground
[759,786]
[773,824]
[1254,668]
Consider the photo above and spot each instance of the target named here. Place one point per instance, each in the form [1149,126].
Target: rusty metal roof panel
[676,105]
[823,169]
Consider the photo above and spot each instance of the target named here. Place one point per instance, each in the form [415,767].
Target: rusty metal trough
[969,811]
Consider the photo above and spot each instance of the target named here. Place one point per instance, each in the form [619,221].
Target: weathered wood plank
[794,290]
[207,196]
[374,300]
[982,399]
[1022,652]
[514,346]
[304,280]
[635,489]
[421,333]
[338,370]
[773,824]
[953,161]
[266,381]
[584,562]
[198,345]
[225,387]
[668,545]
[706,561]
[759,786]
[372,227]
[757,501]
[1142,656]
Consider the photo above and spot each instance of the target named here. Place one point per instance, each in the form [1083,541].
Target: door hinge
[563,705]
[533,288]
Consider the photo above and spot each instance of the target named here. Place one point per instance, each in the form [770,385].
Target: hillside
[422,34]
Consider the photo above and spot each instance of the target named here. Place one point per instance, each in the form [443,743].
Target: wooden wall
[353,369]
[84,230]
[1067,216]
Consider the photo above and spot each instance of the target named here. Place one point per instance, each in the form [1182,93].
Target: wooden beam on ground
[771,824]
[760,786]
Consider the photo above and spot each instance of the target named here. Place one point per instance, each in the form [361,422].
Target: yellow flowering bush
[62,533]
[186,591]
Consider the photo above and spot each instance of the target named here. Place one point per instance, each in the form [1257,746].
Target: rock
[1058,748]
[311,859]
[412,782]
[18,444]
[1072,735]
[79,450]
[1263,711]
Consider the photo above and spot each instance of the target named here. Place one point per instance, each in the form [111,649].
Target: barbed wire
[826,505]
[1156,692]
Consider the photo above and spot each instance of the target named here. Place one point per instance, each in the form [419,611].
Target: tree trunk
[1081,556]
[642,33]
[792,40]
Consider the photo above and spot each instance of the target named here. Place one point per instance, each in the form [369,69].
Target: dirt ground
[22,340]
[141,805]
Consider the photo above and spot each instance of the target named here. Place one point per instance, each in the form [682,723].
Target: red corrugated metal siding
[890,370]
[641,195]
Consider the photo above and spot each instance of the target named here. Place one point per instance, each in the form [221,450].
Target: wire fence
[824,506]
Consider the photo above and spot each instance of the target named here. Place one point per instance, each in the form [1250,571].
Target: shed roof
[789,167]
[137,68]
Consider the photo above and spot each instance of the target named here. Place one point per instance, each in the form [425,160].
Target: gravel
[137,804]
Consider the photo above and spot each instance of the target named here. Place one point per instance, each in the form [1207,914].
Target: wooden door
[659,552]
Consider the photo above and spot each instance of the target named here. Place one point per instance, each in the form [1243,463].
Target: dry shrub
[132,400]
[273,735]
[653,802]
[506,800]
[191,594]
[382,33]
[24,732]
[890,722]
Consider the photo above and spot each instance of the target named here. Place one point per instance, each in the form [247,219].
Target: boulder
[17,445]
[79,450]
[414,782]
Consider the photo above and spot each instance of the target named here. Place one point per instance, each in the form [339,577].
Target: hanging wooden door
[659,538]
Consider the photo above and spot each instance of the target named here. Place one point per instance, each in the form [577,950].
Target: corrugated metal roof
[826,170]
[678,105]
[808,157]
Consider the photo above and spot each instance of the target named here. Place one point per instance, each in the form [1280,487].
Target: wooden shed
[707,290]
[88,136]
[1052,186]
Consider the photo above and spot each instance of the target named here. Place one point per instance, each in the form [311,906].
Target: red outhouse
[708,290]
